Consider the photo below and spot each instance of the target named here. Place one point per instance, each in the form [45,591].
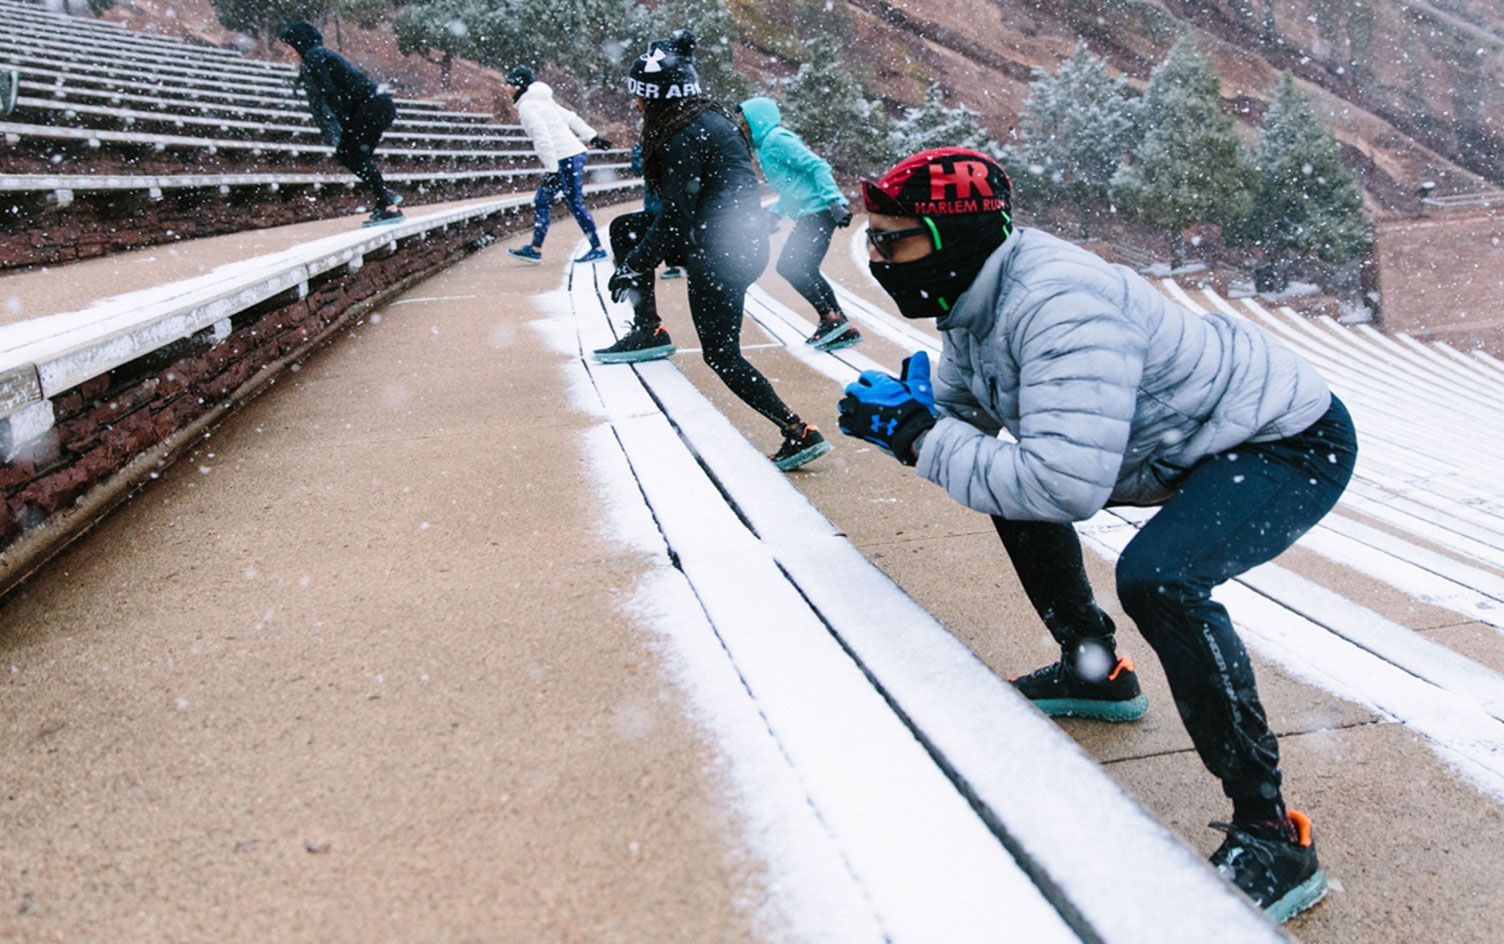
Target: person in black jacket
[351,111]
[696,160]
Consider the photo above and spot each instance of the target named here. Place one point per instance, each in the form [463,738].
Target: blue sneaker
[528,254]
[594,255]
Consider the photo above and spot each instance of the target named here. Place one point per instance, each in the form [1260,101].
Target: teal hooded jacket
[802,178]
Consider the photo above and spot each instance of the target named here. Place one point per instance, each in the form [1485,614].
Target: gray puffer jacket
[1112,391]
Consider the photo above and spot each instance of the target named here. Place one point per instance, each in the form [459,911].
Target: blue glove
[891,413]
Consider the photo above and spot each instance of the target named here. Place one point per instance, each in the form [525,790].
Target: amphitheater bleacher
[109,119]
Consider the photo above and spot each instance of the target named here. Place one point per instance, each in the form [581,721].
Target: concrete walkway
[356,671]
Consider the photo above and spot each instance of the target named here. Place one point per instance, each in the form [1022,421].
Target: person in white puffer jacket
[560,138]
[1112,395]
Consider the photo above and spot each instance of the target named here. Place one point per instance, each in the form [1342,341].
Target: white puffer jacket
[1112,391]
[556,131]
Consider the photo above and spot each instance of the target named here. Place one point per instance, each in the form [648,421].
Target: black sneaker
[1068,689]
[639,344]
[1273,863]
[834,335]
[384,217]
[802,444]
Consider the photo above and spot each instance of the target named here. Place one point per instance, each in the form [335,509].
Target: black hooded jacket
[710,198]
[336,89]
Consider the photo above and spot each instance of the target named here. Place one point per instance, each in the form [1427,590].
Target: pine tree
[1306,203]
[438,31]
[263,19]
[933,125]
[825,105]
[367,14]
[1188,167]
[716,31]
[1074,131]
[591,41]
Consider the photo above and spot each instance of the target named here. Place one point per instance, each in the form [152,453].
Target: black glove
[891,413]
[840,213]
[623,283]
[551,180]
[599,143]
[774,221]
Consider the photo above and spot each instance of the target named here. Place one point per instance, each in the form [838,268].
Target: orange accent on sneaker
[1302,826]
[1123,663]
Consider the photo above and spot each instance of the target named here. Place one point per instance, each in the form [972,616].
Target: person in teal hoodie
[807,193]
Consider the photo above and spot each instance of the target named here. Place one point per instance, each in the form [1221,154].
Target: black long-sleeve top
[709,194]
[336,89]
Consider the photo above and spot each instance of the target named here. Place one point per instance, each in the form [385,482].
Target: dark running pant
[718,284]
[1233,511]
[358,140]
[571,183]
[799,262]
[625,232]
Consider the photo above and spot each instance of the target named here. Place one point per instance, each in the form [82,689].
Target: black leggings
[625,233]
[358,140]
[718,281]
[1232,511]
[799,263]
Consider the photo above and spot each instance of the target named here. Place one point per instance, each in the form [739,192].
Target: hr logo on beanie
[941,182]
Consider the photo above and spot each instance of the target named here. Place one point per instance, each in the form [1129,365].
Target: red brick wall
[106,422]
[97,224]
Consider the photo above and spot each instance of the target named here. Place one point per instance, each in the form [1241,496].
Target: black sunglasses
[885,240]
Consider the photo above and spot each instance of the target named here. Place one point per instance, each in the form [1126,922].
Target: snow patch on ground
[803,890]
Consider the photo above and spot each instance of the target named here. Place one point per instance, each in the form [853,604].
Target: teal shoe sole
[1130,710]
[1305,895]
[803,457]
[633,357]
[829,339]
[395,219]
[839,343]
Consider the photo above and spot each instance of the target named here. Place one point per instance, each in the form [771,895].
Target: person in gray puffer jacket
[1111,395]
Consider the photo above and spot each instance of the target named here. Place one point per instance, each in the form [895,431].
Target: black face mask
[929,287]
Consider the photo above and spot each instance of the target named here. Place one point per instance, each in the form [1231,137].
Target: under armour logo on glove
[891,412]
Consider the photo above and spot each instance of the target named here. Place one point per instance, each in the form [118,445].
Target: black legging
[625,233]
[718,280]
[358,139]
[799,263]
